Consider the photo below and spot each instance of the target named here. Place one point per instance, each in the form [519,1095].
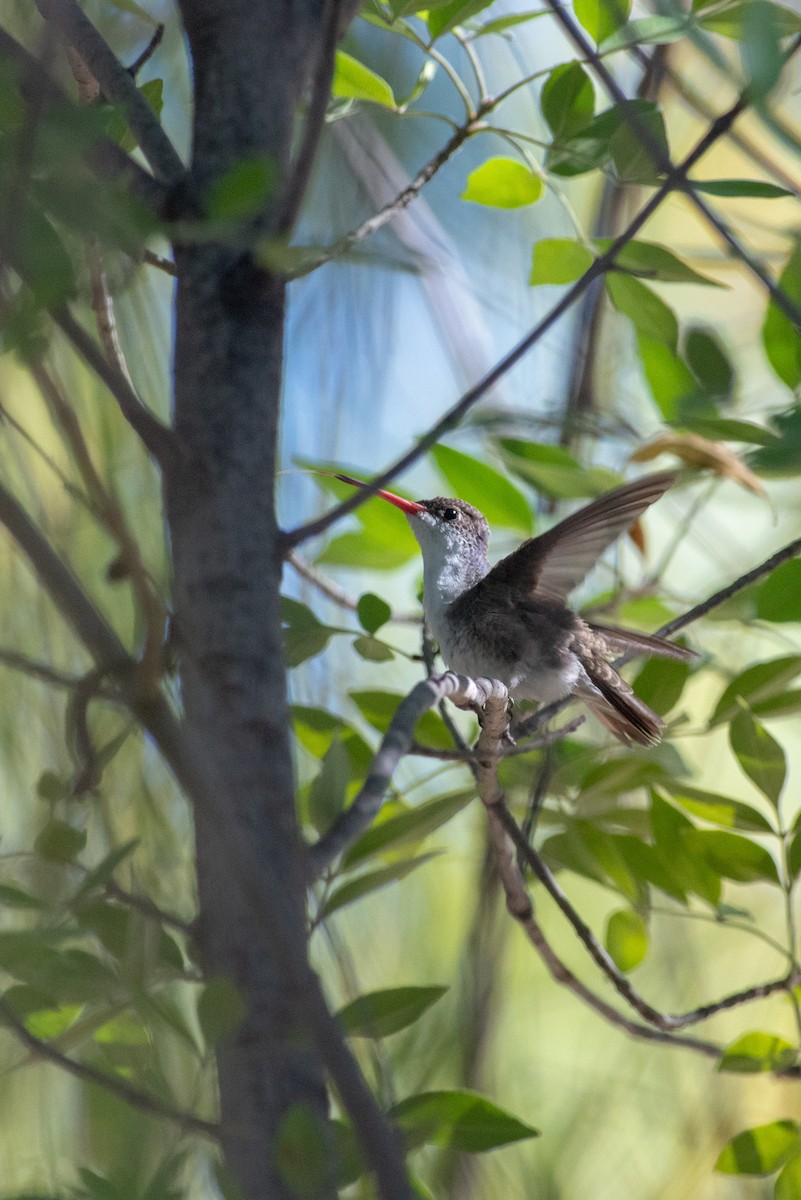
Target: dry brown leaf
[699,451]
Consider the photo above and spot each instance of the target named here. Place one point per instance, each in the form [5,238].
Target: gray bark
[250,59]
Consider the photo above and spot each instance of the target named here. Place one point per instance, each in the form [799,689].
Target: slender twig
[332,590]
[598,268]
[148,908]
[155,436]
[299,173]
[141,1101]
[37,670]
[148,52]
[118,86]
[103,308]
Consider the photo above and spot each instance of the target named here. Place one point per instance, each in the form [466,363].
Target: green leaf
[647,30]
[718,810]
[458,1120]
[124,1029]
[378,1014]
[788,1183]
[477,483]
[378,708]
[559,260]
[501,24]
[373,612]
[442,18]
[794,856]
[759,1151]
[660,683]
[304,635]
[732,856]
[755,1052]
[669,379]
[220,1009]
[385,542]
[567,100]
[301,1151]
[99,876]
[554,471]
[634,160]
[328,788]
[14,897]
[759,755]
[669,829]
[779,596]
[60,842]
[730,21]
[757,683]
[745,189]
[244,189]
[51,1022]
[412,824]
[656,262]
[353,80]
[649,315]
[372,649]
[725,429]
[626,939]
[783,458]
[503,183]
[781,338]
[760,48]
[602,17]
[370,881]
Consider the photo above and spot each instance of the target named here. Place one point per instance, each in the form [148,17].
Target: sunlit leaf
[759,754]
[779,596]
[442,18]
[669,379]
[788,1182]
[559,260]
[718,810]
[626,939]
[602,17]
[380,707]
[726,429]
[353,80]
[373,612]
[412,825]
[759,1151]
[479,484]
[458,1120]
[554,471]
[730,20]
[732,856]
[567,99]
[378,1014]
[503,183]
[655,262]
[756,683]
[755,1052]
[780,336]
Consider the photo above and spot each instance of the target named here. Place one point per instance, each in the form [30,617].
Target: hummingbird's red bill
[407,506]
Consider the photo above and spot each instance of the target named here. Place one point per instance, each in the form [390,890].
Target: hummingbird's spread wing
[551,565]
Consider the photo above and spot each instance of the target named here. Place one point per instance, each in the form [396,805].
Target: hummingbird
[511,622]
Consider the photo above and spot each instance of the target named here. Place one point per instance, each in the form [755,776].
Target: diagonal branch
[598,268]
[118,85]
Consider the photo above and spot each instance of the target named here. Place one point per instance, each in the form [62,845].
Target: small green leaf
[378,1014]
[60,841]
[353,80]
[635,160]
[380,707]
[780,336]
[759,1151]
[373,612]
[730,20]
[669,379]
[370,881]
[51,1022]
[660,683]
[779,596]
[746,189]
[477,483]
[444,17]
[14,897]
[328,788]
[301,1151]
[220,1009]
[554,471]
[647,312]
[755,1052]
[567,100]
[655,262]
[788,1182]
[304,635]
[559,260]
[760,682]
[501,24]
[51,787]
[760,47]
[732,856]
[646,31]
[725,429]
[99,876]
[125,1029]
[458,1120]
[244,189]
[602,17]
[626,939]
[718,810]
[372,649]
[794,856]
[710,363]
[759,755]
[413,824]
[503,183]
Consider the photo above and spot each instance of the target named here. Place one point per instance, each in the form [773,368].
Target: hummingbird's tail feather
[626,641]
[611,700]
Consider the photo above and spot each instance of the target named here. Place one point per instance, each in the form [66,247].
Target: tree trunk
[250,60]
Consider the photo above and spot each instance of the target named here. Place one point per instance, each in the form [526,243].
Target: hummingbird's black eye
[450,514]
